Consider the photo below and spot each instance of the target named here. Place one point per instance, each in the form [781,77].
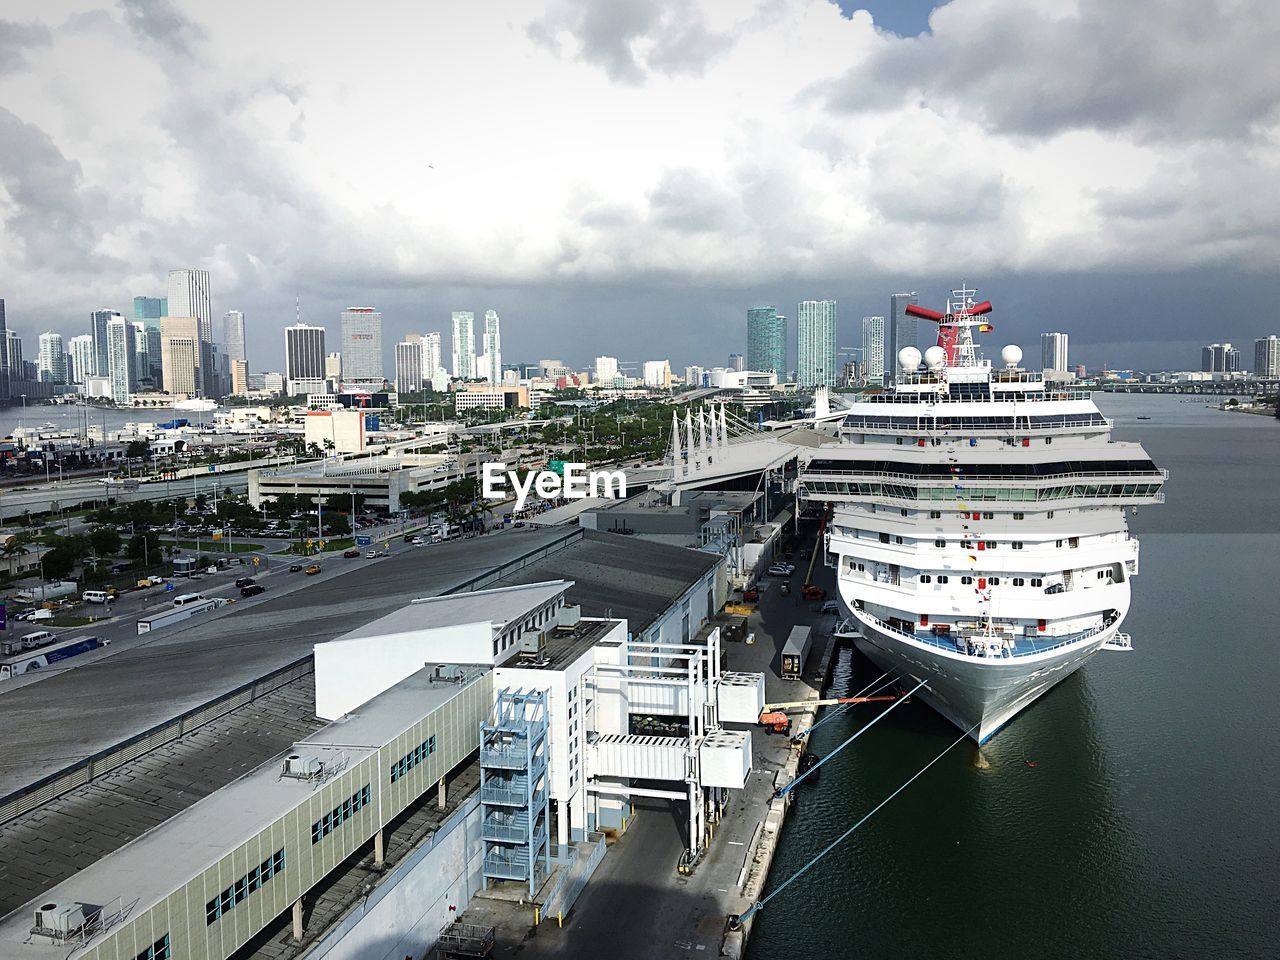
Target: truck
[178,614]
[21,663]
[795,652]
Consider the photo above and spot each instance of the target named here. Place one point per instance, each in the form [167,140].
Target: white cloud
[327,144]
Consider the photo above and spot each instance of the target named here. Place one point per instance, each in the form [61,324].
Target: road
[69,494]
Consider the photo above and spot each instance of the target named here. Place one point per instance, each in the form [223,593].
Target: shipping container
[795,652]
[48,656]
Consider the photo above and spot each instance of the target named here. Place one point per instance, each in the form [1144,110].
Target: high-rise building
[657,373]
[233,334]
[816,343]
[98,321]
[304,356]
[900,330]
[51,362]
[464,345]
[766,340]
[141,358]
[149,310]
[13,348]
[121,359]
[1266,357]
[492,344]
[737,362]
[1219,358]
[693,375]
[431,357]
[333,367]
[409,364]
[606,370]
[180,355]
[239,378]
[873,358]
[82,358]
[189,297]
[361,344]
[1053,351]
[4,353]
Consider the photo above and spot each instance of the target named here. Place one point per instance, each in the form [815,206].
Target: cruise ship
[977,523]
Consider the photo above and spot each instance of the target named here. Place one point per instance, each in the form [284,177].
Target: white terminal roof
[147,870]
[499,606]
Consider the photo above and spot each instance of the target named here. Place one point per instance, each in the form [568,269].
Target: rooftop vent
[303,767]
[532,643]
[61,920]
[569,615]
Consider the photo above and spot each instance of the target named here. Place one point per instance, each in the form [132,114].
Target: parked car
[295,568]
[252,590]
[245,582]
[312,570]
[351,554]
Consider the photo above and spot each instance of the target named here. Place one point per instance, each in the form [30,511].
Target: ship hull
[978,696]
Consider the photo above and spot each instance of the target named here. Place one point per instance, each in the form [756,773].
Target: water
[1147,826]
[75,419]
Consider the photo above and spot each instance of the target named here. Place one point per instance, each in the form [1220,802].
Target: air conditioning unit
[532,643]
[569,615]
[60,919]
[303,766]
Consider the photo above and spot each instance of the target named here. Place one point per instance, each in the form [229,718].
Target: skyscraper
[333,367]
[816,342]
[361,344]
[657,373]
[900,330]
[492,348]
[141,359]
[737,362]
[1266,357]
[873,349]
[409,364]
[1219,358]
[4,354]
[180,355]
[149,310]
[121,358]
[606,370]
[189,297]
[1053,351]
[766,340]
[304,357]
[52,359]
[431,357]
[233,334]
[98,321]
[464,344]
[82,358]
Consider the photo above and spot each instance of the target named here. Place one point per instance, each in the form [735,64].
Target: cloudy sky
[628,176]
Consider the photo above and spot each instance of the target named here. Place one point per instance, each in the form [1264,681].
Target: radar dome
[909,359]
[1011,355]
[935,357]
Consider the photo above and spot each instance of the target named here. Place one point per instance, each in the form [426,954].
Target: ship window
[966,580]
[1019,582]
[1050,514]
[925,578]
[935,514]
[904,511]
[1101,574]
[994,581]
[991,544]
[1019,516]
[862,566]
[1073,542]
[1016,545]
[939,543]
[1037,582]
[898,539]
[1048,439]
[944,579]
[967,544]
[1059,543]
[884,538]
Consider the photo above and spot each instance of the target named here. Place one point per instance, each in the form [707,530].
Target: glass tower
[816,342]
[767,341]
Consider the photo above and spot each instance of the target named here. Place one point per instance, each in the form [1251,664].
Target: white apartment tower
[431,358]
[121,359]
[816,342]
[82,358]
[873,358]
[1266,357]
[657,373]
[362,344]
[464,344]
[492,348]
[51,361]
[606,370]
[1053,351]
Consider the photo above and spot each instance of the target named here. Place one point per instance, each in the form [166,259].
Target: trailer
[48,656]
[178,614]
[795,653]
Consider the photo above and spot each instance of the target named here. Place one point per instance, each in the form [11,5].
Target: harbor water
[1131,812]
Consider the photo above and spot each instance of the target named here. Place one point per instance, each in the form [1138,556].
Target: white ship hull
[977,695]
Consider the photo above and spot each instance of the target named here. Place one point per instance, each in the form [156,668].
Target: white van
[38,639]
[95,596]
[186,598]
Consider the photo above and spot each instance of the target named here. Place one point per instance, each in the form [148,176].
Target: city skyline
[869,176]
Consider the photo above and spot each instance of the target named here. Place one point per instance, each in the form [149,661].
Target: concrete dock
[636,902]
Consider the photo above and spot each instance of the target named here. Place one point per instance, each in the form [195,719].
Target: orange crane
[774,717]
